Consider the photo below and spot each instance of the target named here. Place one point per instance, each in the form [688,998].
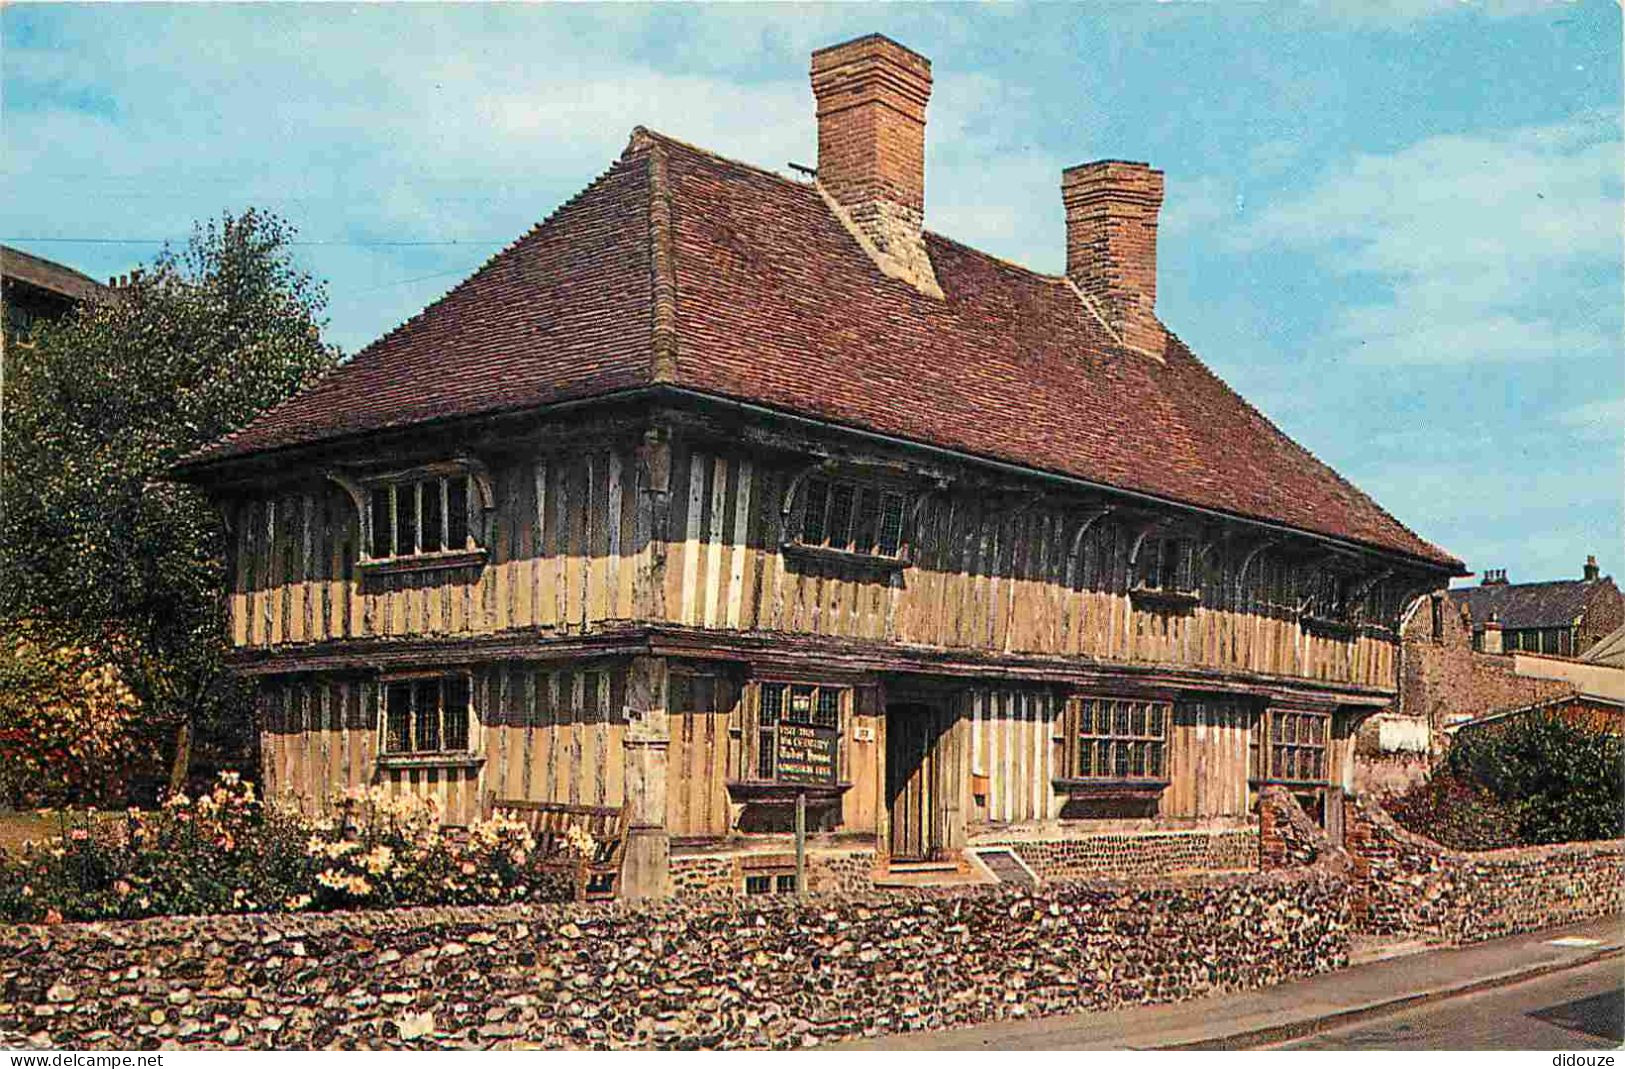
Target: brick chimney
[1492,639]
[1591,570]
[1111,244]
[871,94]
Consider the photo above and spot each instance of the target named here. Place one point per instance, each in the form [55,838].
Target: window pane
[456,718]
[457,512]
[398,704]
[381,527]
[801,705]
[865,519]
[772,703]
[817,501]
[406,519]
[828,713]
[840,516]
[1119,718]
[890,541]
[433,537]
[1136,719]
[427,714]
[1153,764]
[1121,756]
[766,767]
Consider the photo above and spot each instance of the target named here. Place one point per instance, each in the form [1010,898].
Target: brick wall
[730,973]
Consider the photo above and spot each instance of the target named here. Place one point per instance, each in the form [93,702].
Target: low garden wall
[1404,883]
[772,972]
[1155,853]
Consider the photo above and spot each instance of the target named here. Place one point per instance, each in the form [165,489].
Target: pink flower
[78,835]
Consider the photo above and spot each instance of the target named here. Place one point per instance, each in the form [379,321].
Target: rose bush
[228,852]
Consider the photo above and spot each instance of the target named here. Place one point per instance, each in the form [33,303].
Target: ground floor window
[1294,747]
[426,715]
[1119,738]
[797,731]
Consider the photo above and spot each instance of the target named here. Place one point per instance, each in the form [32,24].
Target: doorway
[918,780]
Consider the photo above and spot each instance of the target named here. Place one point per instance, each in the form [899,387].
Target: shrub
[1561,780]
[66,715]
[1455,813]
[227,852]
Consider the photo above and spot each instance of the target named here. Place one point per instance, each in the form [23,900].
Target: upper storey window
[851,517]
[428,517]
[421,516]
[1165,574]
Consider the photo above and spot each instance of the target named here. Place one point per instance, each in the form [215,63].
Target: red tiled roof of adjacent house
[681,267]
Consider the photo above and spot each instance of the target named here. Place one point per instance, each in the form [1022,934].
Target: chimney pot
[1111,244]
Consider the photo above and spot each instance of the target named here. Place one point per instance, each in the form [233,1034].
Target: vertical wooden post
[801,844]
[646,870]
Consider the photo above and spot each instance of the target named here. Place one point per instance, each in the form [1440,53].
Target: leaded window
[1120,738]
[426,715]
[419,517]
[799,704]
[851,516]
[1295,747]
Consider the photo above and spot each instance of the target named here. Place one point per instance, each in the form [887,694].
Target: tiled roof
[48,275]
[1609,650]
[678,266]
[1557,603]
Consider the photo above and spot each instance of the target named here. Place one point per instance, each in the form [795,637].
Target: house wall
[564,550]
[989,572]
[542,732]
[570,550]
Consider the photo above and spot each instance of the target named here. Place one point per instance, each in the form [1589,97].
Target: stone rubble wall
[718,973]
[1134,853]
[1406,884]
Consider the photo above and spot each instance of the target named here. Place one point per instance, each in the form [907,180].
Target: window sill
[1290,784]
[424,562]
[1158,600]
[1111,788]
[430,760]
[867,562]
[775,792]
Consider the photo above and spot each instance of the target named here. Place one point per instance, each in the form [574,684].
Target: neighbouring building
[719,488]
[1560,617]
[1456,669]
[35,290]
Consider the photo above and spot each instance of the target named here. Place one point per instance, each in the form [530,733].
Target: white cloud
[1601,420]
[1475,239]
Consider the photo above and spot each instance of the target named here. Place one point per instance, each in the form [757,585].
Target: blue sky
[1395,227]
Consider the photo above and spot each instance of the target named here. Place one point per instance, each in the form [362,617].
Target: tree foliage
[97,542]
[1562,780]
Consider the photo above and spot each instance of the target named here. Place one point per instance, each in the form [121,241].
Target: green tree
[98,545]
[1561,780]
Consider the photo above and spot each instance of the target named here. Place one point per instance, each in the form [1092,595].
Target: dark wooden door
[916,781]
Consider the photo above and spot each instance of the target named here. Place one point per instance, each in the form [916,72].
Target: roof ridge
[663,334]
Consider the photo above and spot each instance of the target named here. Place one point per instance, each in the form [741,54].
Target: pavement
[1394,978]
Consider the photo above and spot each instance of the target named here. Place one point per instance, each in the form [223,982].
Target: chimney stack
[872,94]
[1591,570]
[1494,577]
[1111,245]
[1492,640]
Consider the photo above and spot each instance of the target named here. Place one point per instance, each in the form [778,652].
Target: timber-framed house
[719,487]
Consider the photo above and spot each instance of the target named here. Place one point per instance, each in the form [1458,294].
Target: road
[1576,1009]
